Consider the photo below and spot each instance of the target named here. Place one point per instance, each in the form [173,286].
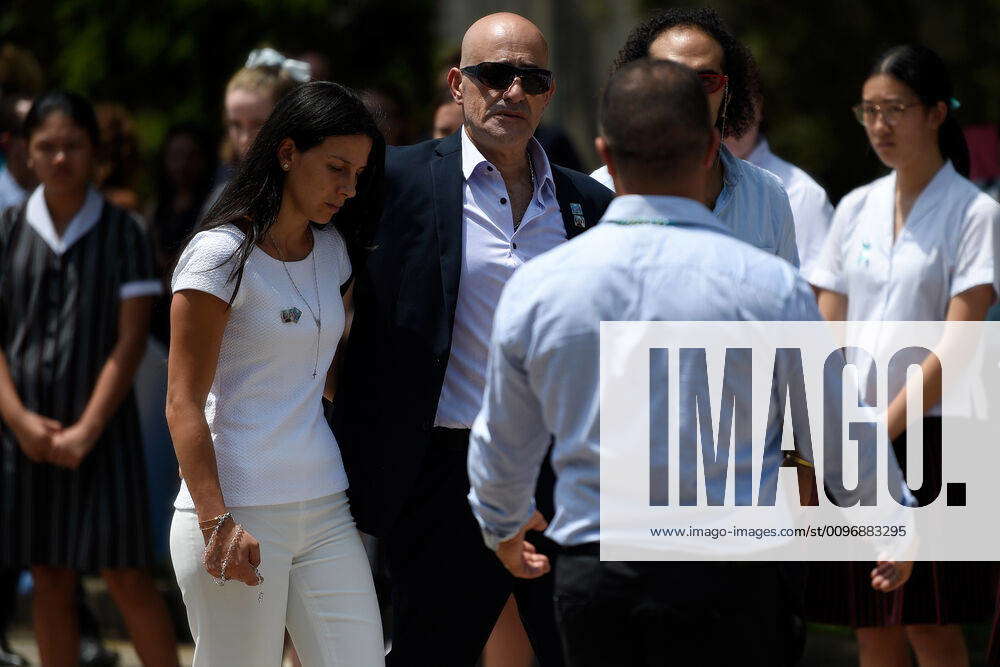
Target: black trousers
[448,588]
[655,614]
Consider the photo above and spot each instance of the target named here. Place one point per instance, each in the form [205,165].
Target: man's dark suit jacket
[400,338]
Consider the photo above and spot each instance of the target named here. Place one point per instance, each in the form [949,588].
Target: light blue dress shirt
[11,192]
[543,370]
[753,205]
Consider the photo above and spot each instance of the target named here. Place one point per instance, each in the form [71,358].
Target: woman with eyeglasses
[263,537]
[917,244]
[751,201]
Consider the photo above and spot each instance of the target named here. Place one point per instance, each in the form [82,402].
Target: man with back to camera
[461,213]
[658,255]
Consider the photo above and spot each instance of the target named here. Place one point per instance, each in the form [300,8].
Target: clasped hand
[44,440]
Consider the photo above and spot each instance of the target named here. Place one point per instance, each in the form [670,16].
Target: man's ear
[604,152]
[455,84]
[550,92]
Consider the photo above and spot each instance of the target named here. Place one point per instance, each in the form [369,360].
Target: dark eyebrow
[331,155]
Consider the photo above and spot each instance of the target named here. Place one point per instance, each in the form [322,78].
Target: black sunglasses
[499,76]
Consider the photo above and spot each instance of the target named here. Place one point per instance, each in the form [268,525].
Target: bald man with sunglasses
[461,214]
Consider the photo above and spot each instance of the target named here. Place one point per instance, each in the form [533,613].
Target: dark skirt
[88,519]
[937,593]
[59,318]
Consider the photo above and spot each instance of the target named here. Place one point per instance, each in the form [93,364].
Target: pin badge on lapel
[291,315]
[578,219]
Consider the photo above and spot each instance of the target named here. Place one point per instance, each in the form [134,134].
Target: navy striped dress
[58,326]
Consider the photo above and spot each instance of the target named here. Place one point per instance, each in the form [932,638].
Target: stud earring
[285,166]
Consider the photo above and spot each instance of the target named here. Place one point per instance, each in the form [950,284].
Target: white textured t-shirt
[264,410]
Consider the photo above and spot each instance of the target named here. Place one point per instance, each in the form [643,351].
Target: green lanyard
[663,223]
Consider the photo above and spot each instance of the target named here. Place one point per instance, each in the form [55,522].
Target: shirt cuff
[140,288]
[823,279]
[493,540]
[974,280]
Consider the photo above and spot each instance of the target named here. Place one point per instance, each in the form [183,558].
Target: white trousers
[317,583]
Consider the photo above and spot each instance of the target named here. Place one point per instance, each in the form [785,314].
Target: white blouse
[264,410]
[948,244]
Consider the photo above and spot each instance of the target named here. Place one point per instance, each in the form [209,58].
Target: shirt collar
[663,209]
[732,167]
[37,215]
[760,152]
[472,158]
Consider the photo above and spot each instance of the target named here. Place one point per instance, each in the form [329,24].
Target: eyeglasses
[712,83]
[866,112]
[500,76]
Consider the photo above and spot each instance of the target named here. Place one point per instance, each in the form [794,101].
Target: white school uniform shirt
[753,205]
[491,251]
[36,214]
[811,208]
[949,244]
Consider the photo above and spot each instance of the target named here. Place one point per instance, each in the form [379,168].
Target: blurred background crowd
[181,87]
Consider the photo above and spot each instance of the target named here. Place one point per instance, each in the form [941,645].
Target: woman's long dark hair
[923,71]
[307,115]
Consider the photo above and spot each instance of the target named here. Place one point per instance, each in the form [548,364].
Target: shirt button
[489,168]
[503,200]
[514,246]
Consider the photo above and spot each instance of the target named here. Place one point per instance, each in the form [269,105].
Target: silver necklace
[531,175]
[317,318]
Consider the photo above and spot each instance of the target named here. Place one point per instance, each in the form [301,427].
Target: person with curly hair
[749,200]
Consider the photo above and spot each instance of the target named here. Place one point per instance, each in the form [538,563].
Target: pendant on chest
[291,315]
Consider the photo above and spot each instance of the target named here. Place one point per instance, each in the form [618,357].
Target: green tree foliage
[169,60]
[814,57]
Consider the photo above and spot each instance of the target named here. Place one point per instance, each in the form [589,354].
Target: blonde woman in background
[251,94]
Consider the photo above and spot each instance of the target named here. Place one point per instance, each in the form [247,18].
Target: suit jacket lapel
[446,185]
[576,219]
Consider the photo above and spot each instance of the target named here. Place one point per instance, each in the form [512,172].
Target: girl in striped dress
[76,286]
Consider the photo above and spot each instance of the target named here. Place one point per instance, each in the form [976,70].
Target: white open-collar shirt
[811,208]
[948,244]
[491,251]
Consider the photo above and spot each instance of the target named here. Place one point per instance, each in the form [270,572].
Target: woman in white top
[260,298]
[918,244]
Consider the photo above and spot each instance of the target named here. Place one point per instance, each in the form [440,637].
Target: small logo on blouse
[291,315]
[865,255]
[578,218]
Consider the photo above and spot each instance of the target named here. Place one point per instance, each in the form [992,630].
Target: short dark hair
[737,62]
[73,105]
[307,115]
[924,72]
[654,117]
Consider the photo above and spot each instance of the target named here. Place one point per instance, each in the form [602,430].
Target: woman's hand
[244,556]
[34,435]
[70,446]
